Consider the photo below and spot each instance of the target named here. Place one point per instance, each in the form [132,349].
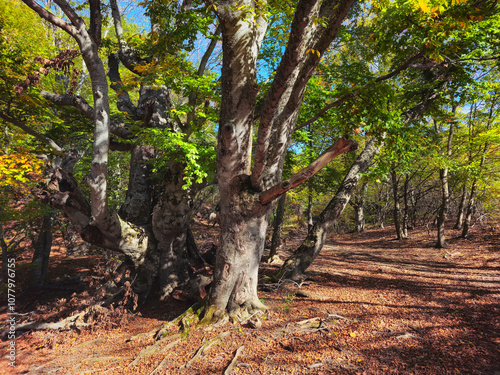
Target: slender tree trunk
[384,196]
[5,255]
[41,255]
[441,219]
[358,205]
[406,213]
[461,208]
[471,205]
[309,211]
[443,176]
[295,266]
[277,229]
[413,201]
[396,207]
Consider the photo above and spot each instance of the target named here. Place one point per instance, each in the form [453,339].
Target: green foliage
[197,154]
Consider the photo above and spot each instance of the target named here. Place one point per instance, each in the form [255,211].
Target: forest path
[370,305]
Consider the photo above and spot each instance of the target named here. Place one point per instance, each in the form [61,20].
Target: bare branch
[343,145]
[68,10]
[49,17]
[49,142]
[209,51]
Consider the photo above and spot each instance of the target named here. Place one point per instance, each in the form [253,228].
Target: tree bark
[248,191]
[41,255]
[277,228]
[461,208]
[358,206]
[406,208]
[309,215]
[445,192]
[396,207]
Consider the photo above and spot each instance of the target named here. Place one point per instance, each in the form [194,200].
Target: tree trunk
[461,209]
[406,210]
[295,266]
[5,255]
[445,202]
[309,215]
[396,208]
[471,205]
[382,210]
[441,219]
[241,244]
[41,255]
[277,228]
[358,205]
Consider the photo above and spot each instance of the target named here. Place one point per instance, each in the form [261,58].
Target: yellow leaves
[352,334]
[423,5]
[18,170]
[313,51]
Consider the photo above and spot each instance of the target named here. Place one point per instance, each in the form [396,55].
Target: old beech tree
[248,175]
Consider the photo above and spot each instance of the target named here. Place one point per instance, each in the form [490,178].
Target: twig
[330,315]
[231,366]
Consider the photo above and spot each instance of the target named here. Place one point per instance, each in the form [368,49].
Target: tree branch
[70,100]
[116,127]
[343,145]
[281,107]
[49,17]
[128,56]
[356,92]
[68,10]
[124,103]
[290,60]
[209,51]
[49,142]
[95,21]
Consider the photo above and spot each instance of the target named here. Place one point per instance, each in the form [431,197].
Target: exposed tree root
[162,363]
[155,348]
[199,353]
[182,320]
[82,319]
[230,368]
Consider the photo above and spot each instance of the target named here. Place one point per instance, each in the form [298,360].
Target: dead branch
[343,145]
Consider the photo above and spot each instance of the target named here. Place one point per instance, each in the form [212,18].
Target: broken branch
[343,145]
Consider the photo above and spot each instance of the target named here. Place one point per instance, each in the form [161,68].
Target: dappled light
[368,305]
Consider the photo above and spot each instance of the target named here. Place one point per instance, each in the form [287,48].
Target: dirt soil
[371,305]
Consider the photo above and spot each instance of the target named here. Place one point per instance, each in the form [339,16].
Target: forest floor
[371,305]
